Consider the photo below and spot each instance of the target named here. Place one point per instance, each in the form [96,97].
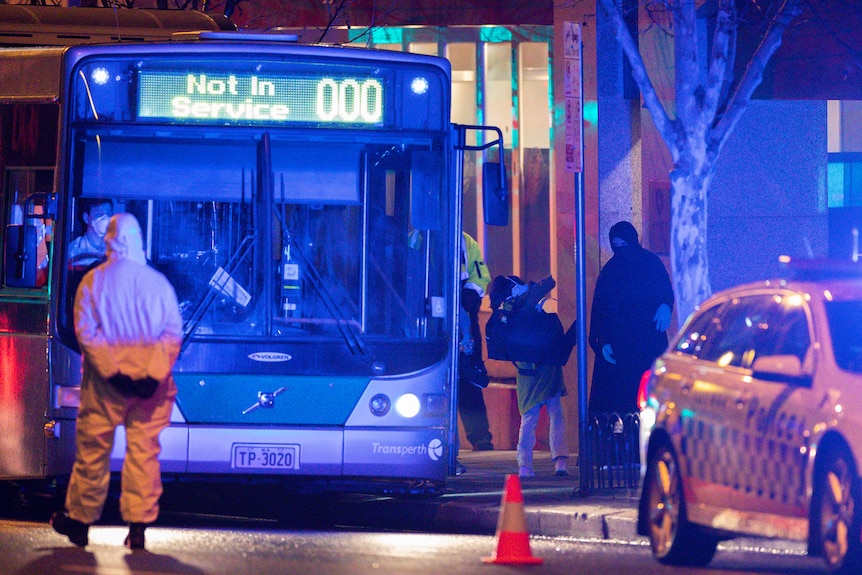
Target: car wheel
[672,538]
[835,513]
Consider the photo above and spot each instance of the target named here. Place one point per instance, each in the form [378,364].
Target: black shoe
[75,530]
[459,468]
[135,538]
[485,446]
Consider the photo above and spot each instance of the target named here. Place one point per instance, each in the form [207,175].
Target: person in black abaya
[630,315]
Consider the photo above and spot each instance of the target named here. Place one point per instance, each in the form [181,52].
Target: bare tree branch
[334,17]
[753,75]
[670,130]
[685,62]
[721,61]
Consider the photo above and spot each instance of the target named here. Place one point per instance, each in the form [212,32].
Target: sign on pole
[572,80]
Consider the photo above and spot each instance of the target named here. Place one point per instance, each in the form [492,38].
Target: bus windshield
[331,247]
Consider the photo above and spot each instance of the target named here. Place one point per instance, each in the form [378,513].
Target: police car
[758,420]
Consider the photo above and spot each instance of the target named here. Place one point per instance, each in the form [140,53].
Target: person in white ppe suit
[128,325]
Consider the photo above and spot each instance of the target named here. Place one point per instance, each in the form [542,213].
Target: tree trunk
[689,262]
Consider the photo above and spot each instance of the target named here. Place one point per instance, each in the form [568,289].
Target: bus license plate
[262,456]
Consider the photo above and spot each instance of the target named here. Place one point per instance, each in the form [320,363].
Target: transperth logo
[434,449]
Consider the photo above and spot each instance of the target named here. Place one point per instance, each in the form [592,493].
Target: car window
[756,326]
[845,327]
[736,331]
[696,332]
[788,332]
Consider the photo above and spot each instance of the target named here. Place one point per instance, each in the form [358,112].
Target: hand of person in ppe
[122,383]
[608,353]
[146,387]
[120,379]
[662,317]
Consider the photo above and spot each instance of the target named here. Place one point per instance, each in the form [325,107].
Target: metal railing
[614,449]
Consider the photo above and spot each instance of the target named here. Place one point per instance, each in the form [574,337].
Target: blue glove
[662,317]
[608,353]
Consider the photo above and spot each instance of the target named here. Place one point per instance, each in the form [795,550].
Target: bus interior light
[100,76]
[407,405]
[419,85]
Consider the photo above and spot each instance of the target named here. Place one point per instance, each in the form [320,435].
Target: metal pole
[457,188]
[585,459]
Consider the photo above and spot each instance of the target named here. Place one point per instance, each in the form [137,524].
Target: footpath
[554,506]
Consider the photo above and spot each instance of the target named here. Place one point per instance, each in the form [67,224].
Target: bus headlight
[407,405]
[379,405]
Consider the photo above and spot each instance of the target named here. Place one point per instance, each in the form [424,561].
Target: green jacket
[537,383]
[474,272]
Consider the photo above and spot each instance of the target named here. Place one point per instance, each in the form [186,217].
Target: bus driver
[90,246]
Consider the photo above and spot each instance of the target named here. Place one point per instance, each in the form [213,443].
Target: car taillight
[643,389]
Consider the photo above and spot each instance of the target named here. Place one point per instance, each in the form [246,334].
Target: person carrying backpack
[521,331]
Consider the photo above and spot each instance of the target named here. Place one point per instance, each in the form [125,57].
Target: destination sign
[260,98]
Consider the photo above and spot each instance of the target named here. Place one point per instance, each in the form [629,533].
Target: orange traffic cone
[513,540]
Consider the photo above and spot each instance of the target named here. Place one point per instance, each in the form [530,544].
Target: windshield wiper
[351,336]
[221,283]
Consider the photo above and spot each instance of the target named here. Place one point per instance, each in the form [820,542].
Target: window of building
[844,176]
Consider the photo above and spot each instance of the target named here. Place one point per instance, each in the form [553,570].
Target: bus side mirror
[20,259]
[495,194]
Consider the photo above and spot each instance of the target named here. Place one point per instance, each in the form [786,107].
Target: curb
[594,521]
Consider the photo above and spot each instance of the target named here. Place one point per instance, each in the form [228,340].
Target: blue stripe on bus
[292,400]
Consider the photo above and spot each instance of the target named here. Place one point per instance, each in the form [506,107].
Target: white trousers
[556,435]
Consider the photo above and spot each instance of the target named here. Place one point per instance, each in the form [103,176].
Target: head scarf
[124,239]
[625,231]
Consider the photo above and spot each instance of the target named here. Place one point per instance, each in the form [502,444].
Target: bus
[305,203]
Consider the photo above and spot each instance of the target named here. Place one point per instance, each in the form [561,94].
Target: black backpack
[519,330]
[526,334]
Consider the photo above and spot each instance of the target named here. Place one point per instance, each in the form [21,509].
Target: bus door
[27,212]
